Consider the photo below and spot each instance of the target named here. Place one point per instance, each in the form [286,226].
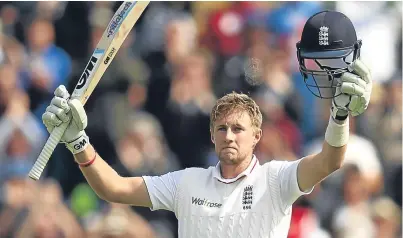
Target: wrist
[337,132]
[85,155]
[89,162]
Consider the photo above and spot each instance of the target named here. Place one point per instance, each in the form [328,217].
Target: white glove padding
[62,110]
[355,89]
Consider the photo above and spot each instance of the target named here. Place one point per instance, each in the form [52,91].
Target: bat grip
[47,151]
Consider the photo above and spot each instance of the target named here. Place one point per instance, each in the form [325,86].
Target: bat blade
[113,37]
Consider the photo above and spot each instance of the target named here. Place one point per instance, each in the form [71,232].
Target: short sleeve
[283,175]
[162,190]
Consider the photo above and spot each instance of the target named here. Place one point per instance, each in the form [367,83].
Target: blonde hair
[236,102]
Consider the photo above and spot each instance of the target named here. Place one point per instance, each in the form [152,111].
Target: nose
[229,136]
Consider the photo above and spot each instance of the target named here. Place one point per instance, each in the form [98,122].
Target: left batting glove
[355,89]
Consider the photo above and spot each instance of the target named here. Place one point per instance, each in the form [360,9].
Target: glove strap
[78,145]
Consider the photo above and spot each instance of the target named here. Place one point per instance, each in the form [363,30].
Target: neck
[229,171]
[39,48]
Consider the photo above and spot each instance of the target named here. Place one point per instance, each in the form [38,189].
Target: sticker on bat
[118,19]
[89,69]
[109,56]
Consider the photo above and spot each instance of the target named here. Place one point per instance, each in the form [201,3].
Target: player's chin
[228,157]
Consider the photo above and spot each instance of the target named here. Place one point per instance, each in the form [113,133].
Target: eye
[238,129]
[222,128]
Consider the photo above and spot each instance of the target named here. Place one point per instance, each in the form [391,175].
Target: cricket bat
[114,35]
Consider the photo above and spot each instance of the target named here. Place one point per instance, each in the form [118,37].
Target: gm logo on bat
[109,56]
[118,19]
[89,68]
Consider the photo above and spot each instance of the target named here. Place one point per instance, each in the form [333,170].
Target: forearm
[314,168]
[6,127]
[100,176]
[332,157]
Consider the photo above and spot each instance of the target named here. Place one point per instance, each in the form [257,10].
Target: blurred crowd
[149,115]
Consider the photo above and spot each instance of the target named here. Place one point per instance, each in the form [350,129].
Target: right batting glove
[62,110]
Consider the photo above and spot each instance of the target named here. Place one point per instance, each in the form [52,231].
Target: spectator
[22,135]
[353,219]
[187,110]
[364,154]
[47,64]
[8,86]
[119,222]
[48,216]
[143,149]
[387,216]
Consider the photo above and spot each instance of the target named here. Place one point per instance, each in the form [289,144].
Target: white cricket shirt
[257,203]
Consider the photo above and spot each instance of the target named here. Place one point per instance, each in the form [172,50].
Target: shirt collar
[247,171]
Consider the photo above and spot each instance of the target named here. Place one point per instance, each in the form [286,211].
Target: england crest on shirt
[247,197]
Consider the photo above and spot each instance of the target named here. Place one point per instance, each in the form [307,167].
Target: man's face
[234,137]
[40,34]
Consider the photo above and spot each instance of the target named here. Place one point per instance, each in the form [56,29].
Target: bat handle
[47,151]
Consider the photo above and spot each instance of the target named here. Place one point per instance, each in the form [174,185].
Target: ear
[258,136]
[212,137]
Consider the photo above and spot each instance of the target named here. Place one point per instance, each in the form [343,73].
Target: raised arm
[356,88]
[104,180]
[108,184]
[314,168]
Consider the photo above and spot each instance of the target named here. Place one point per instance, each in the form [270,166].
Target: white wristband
[79,144]
[337,134]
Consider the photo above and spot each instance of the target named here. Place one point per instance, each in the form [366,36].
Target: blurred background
[150,112]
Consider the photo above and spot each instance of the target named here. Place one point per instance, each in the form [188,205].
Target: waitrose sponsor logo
[205,202]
